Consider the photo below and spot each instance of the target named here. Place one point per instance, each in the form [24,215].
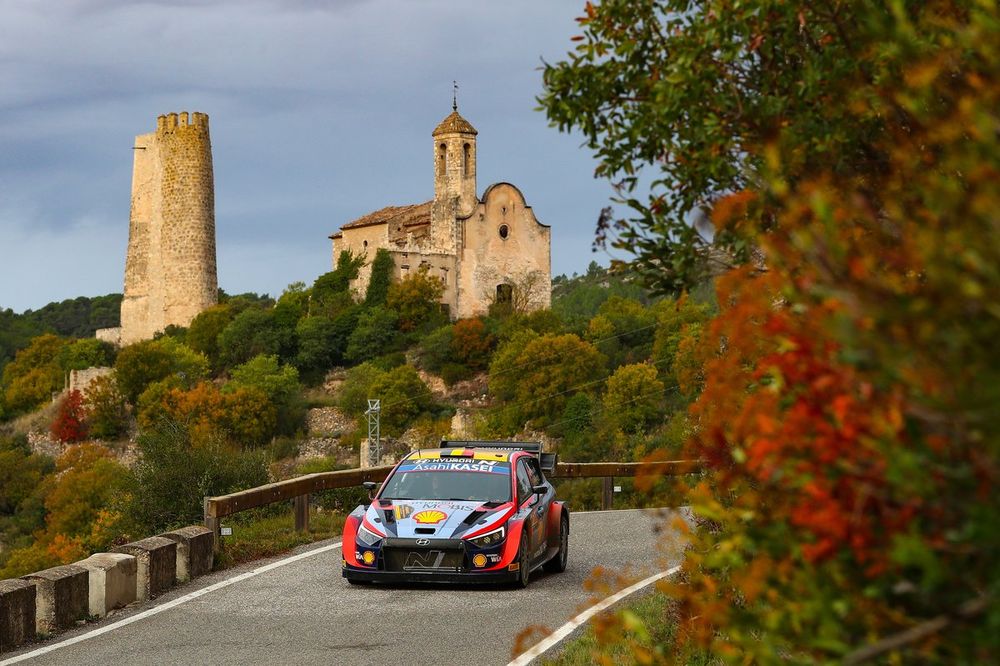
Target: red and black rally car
[467,512]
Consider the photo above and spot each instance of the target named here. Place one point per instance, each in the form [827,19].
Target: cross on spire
[454,96]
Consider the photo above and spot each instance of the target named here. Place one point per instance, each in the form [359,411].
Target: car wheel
[558,562]
[524,563]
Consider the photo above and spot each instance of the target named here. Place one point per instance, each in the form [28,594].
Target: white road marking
[562,632]
[168,605]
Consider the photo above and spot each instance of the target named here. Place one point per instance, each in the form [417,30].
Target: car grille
[438,555]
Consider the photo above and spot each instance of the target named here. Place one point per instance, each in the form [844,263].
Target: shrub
[417,299]
[69,424]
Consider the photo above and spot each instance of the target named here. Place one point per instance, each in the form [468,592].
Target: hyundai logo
[423,542]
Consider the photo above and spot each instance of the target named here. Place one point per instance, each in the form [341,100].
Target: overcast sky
[320,112]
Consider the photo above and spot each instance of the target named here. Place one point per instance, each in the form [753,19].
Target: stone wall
[80,380]
[170,266]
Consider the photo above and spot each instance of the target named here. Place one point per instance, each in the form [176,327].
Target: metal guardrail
[299,488]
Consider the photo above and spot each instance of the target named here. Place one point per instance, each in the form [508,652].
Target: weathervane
[454,96]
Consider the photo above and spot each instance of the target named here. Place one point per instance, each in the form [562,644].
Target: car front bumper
[429,576]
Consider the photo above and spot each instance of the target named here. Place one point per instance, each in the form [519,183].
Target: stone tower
[454,179]
[170,270]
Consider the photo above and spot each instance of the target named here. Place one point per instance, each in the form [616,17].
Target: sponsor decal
[479,561]
[514,566]
[487,466]
[402,511]
[429,559]
[494,558]
[431,517]
[368,557]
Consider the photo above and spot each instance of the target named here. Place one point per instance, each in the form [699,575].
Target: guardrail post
[302,513]
[212,523]
[607,493]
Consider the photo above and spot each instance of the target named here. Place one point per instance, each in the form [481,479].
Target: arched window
[442,159]
[467,157]
[505,293]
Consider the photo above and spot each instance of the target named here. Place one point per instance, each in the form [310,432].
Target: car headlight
[490,538]
[366,536]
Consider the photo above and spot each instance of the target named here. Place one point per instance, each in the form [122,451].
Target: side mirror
[539,489]
[370,486]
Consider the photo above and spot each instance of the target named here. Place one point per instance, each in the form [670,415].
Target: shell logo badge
[479,561]
[431,517]
[368,557]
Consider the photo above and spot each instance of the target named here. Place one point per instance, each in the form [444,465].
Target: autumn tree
[70,424]
[144,363]
[845,154]
[34,375]
[541,373]
[106,410]
[633,398]
[417,299]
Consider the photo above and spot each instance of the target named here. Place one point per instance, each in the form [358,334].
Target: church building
[485,249]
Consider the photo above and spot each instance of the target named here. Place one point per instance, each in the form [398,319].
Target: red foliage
[69,424]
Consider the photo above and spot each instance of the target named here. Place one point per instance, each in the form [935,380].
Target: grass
[264,533]
[648,638]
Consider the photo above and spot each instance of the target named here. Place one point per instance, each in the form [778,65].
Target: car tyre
[558,562]
[524,563]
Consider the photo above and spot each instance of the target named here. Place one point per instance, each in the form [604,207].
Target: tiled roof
[454,124]
[395,216]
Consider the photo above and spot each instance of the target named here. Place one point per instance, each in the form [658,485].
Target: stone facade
[170,266]
[483,249]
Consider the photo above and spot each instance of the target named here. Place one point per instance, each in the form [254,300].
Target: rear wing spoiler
[546,460]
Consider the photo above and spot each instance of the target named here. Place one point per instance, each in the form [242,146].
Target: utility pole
[374,446]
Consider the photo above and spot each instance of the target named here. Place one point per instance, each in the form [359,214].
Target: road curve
[305,613]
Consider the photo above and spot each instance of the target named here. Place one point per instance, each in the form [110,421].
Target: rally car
[467,512]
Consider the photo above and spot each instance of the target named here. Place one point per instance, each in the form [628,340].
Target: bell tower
[454,177]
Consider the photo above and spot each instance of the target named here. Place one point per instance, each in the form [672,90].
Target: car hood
[435,519]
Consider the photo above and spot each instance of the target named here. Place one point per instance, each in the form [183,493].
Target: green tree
[279,383]
[203,333]
[417,299]
[251,333]
[174,473]
[331,292]
[86,353]
[374,335]
[144,363]
[381,278]
[404,396]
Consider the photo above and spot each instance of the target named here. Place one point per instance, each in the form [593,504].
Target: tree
[323,342]
[417,299]
[381,278]
[634,396]
[150,361]
[34,375]
[331,291]
[251,333]
[106,411]
[86,353]
[543,374]
[404,396]
[203,333]
[69,424]
[471,343]
[173,474]
[374,335]
[848,416]
[279,384]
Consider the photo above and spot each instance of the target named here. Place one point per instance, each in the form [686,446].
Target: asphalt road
[305,613]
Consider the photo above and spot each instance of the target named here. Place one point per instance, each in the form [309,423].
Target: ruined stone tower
[170,271]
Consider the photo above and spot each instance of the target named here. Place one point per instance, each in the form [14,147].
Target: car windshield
[450,481]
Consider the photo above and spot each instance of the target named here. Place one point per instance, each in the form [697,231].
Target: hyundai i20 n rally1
[467,512]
